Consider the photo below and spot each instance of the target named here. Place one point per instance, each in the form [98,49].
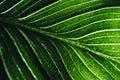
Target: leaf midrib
[18,24]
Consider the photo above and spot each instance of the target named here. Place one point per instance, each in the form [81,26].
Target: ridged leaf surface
[59,40]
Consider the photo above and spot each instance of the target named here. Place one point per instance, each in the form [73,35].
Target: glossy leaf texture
[59,40]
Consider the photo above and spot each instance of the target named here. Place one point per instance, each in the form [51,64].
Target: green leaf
[59,40]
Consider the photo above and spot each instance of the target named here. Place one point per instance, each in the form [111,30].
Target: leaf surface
[60,39]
